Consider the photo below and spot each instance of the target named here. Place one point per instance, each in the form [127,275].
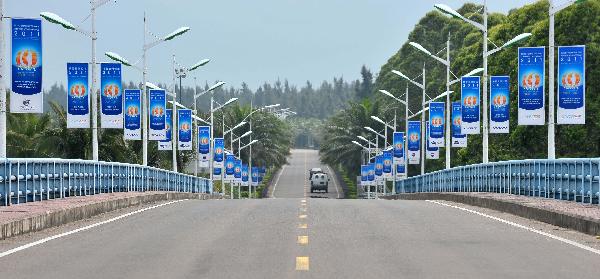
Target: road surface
[291,236]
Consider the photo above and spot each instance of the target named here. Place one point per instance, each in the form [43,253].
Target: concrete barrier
[565,220]
[64,216]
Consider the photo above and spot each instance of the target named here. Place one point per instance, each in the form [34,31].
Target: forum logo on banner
[499,104]
[433,153]
[184,119]
[571,85]
[219,146]
[26,94]
[244,175]
[255,176]
[229,167]
[379,166]
[158,107]
[436,118]
[371,176]
[204,145]
[458,138]
[111,96]
[237,171]
[166,144]
[532,68]
[133,119]
[388,160]
[364,174]
[399,156]
[78,101]
[470,92]
[414,143]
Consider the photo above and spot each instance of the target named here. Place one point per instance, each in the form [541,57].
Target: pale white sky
[252,41]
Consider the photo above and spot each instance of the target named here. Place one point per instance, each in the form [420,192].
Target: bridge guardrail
[566,179]
[30,180]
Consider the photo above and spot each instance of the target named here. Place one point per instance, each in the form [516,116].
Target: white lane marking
[334,181]
[277,181]
[41,241]
[564,240]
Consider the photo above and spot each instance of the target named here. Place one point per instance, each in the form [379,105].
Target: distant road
[291,236]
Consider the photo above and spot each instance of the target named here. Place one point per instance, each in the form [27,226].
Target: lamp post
[53,18]
[552,11]
[393,127]
[144,70]
[486,53]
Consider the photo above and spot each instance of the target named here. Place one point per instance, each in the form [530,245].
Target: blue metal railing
[29,180]
[566,179]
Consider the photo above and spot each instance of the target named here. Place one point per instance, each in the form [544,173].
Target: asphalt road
[291,236]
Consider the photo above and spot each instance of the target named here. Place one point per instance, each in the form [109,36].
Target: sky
[252,41]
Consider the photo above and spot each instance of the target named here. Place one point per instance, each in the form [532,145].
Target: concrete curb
[565,220]
[61,217]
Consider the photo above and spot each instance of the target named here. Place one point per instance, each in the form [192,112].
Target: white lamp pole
[2,89]
[53,18]
[486,53]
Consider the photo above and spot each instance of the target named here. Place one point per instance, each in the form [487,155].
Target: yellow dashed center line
[303,226]
[302,216]
[303,239]
[302,263]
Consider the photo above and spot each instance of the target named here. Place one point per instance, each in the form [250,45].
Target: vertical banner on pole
[499,104]
[571,85]
[255,176]
[158,106]
[436,118]
[371,174]
[458,138]
[26,94]
[217,173]
[237,171]
[133,119]
[379,166]
[414,144]
[111,96]
[532,69]
[470,92]
[78,101]
[388,159]
[400,171]
[204,145]
[433,153]
[229,167]
[244,175]
[364,175]
[166,144]
[399,156]
[184,119]
[219,146]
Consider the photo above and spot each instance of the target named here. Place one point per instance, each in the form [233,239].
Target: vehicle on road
[313,171]
[319,182]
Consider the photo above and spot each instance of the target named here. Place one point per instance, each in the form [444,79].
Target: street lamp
[393,127]
[56,19]
[146,46]
[552,11]
[483,28]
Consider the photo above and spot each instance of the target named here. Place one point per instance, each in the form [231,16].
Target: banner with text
[219,146]
[399,157]
[255,175]
[184,136]
[532,68]
[133,119]
[571,85]
[78,101]
[414,144]
[111,97]
[244,175]
[470,92]
[499,104]
[436,118]
[432,153]
[458,138]
[388,160]
[204,145]
[371,174]
[166,143]
[158,106]
[26,95]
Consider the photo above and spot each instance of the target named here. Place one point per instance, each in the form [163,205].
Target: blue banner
[245,174]
[387,158]
[184,118]
[111,95]
[532,68]
[458,138]
[571,85]
[204,139]
[237,170]
[399,157]
[470,92]
[379,165]
[217,173]
[400,170]
[133,119]
[157,111]
[436,119]
[432,152]
[371,172]
[218,155]
[255,176]
[26,94]
[364,173]
[229,164]
[166,144]
[499,104]
[414,143]
[78,101]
